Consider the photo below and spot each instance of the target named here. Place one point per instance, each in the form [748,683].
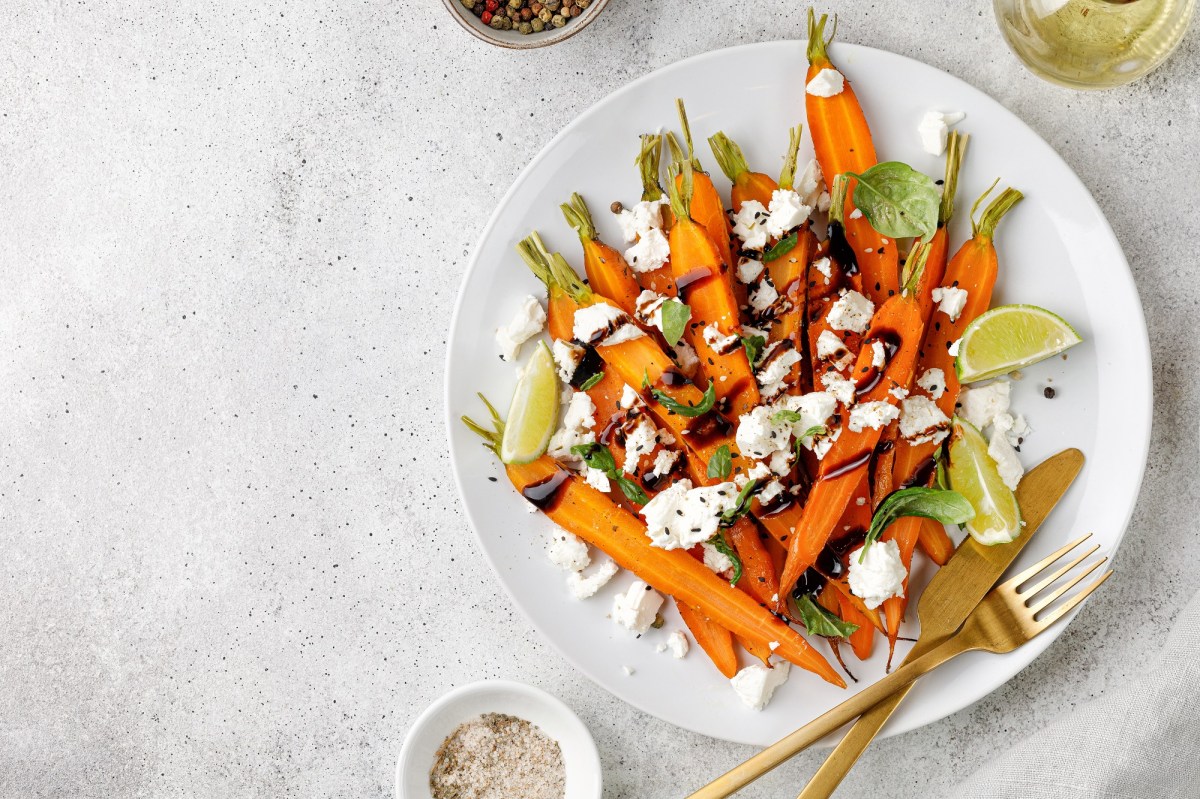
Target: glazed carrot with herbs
[897,326]
[715,640]
[862,640]
[707,207]
[702,278]
[842,140]
[649,162]
[935,542]
[747,185]
[604,266]
[592,515]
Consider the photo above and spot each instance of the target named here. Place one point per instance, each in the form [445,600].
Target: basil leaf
[782,247]
[940,479]
[645,378]
[742,504]
[630,489]
[720,464]
[718,541]
[674,406]
[947,507]
[754,347]
[675,316]
[591,381]
[897,200]
[819,621]
[815,430]
[597,456]
[786,416]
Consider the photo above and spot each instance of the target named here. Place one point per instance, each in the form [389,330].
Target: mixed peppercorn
[525,16]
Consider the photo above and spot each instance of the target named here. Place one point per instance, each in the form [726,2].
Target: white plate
[1056,251]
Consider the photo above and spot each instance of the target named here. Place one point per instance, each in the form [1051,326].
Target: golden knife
[948,599]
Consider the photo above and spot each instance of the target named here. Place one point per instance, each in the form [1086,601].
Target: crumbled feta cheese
[822,444]
[758,471]
[934,128]
[648,308]
[825,267]
[636,607]
[527,323]
[567,356]
[567,552]
[719,342]
[629,670]
[856,214]
[749,225]
[922,422]
[899,392]
[852,311]
[630,398]
[832,349]
[1014,428]
[677,644]
[872,414]
[841,388]
[681,516]
[772,378]
[787,213]
[780,462]
[758,436]
[748,270]
[770,491]
[933,380]
[824,201]
[750,330]
[810,185]
[979,405]
[1007,462]
[604,324]
[877,574]
[576,429]
[826,83]
[585,586]
[715,559]
[764,295]
[651,252]
[686,356]
[645,216]
[597,479]
[756,684]
[664,461]
[878,355]
[952,350]
[639,441]
[950,300]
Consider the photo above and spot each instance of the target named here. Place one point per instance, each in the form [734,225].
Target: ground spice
[496,756]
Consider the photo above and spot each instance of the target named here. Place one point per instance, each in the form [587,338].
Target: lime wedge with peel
[1011,337]
[533,414]
[973,474]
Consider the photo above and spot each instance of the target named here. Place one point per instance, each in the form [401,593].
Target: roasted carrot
[702,278]
[861,640]
[935,542]
[707,207]
[649,160]
[842,140]
[715,640]
[604,266]
[897,325]
[592,515]
[935,264]
[747,185]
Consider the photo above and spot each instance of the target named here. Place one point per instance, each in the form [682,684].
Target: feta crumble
[527,323]
[643,217]
[810,185]
[933,380]
[649,253]
[648,308]
[755,685]
[878,574]
[825,267]
[749,225]
[826,83]
[787,212]
[979,405]
[764,295]
[681,516]
[677,644]
[950,300]
[686,357]
[604,324]
[715,559]
[639,441]
[636,607]
[922,422]
[1007,462]
[748,270]
[872,414]
[772,378]
[841,388]
[567,552]
[585,586]
[852,311]
[718,341]
[567,357]
[597,479]
[934,128]
[576,429]
[878,355]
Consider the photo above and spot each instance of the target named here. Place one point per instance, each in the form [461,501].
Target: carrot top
[817,41]
[729,156]
[787,175]
[956,148]
[985,226]
[552,269]
[648,161]
[580,218]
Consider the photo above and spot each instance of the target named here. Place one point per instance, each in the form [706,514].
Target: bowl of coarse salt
[498,739]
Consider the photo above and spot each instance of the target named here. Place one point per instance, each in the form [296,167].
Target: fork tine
[1057,592]
[1038,567]
[1044,584]
[1067,606]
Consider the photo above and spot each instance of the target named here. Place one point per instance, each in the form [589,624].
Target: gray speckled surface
[233,559]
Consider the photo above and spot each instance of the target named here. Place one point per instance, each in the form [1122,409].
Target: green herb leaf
[897,200]
[704,406]
[947,507]
[722,546]
[754,347]
[815,430]
[741,506]
[785,415]
[645,378]
[591,381]
[675,316]
[720,464]
[598,456]
[630,489]
[781,247]
[819,621]
[940,478]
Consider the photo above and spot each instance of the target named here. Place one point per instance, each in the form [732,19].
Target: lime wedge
[1011,337]
[533,414]
[973,474]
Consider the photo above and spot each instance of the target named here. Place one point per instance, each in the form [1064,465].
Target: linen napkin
[1136,741]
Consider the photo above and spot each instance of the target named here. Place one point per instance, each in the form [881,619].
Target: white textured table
[230,239]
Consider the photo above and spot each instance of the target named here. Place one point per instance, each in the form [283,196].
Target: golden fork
[1010,615]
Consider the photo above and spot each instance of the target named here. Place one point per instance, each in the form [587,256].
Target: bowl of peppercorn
[524,24]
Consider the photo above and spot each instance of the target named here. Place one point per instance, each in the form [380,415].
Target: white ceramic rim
[1136,435]
[590,771]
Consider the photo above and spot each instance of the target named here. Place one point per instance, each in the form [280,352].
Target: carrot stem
[648,163]
[817,41]
[729,156]
[579,217]
[956,148]
[986,226]
[787,175]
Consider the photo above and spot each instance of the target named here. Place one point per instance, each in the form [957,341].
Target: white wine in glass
[1093,44]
